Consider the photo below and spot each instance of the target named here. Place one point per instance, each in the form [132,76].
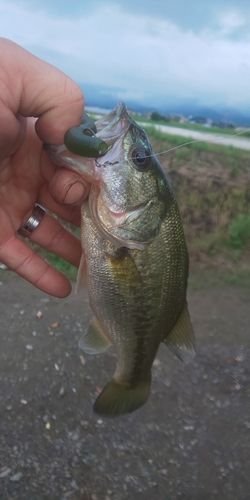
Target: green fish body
[135,259]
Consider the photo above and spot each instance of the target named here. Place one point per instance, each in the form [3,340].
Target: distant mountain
[107,97]
[99,95]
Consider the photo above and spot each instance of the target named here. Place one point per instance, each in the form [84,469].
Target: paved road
[225,140]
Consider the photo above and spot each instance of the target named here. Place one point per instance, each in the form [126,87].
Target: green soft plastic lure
[82,140]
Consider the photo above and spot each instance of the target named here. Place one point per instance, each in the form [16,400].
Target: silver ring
[32,222]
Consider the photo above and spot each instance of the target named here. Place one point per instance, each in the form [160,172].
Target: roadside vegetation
[212,187]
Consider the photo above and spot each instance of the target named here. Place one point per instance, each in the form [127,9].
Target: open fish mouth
[100,140]
[115,124]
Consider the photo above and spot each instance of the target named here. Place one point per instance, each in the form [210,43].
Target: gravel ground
[190,441]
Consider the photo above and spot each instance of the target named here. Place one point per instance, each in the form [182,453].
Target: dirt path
[190,441]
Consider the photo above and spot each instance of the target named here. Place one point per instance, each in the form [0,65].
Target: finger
[11,133]
[16,255]
[71,214]
[57,189]
[55,238]
[35,88]
[68,188]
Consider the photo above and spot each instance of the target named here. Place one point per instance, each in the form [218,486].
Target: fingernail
[74,194]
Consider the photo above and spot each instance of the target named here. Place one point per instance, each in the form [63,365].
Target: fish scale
[136,259]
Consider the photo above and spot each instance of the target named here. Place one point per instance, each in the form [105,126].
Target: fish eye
[141,158]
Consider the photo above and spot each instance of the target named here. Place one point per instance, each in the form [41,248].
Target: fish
[135,259]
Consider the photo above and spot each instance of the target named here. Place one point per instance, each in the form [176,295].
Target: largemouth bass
[134,256]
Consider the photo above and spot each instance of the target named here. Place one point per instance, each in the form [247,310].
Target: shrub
[239,231]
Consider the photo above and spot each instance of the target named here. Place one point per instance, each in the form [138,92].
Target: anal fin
[181,340]
[94,340]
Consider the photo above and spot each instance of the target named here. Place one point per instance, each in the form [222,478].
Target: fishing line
[216,139]
[220,138]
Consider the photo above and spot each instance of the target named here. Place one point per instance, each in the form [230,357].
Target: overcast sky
[184,48]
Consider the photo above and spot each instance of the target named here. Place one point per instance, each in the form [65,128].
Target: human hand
[29,87]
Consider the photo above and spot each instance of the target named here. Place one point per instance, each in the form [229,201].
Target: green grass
[63,266]
[239,232]
[60,264]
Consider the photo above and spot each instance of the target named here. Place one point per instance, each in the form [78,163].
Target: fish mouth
[114,125]
[111,129]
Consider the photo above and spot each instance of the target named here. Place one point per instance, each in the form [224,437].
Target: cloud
[144,56]
[230,21]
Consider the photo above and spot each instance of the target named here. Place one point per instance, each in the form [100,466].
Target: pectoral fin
[123,269]
[94,340]
[181,340]
[81,275]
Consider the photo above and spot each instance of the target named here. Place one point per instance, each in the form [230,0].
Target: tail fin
[117,399]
